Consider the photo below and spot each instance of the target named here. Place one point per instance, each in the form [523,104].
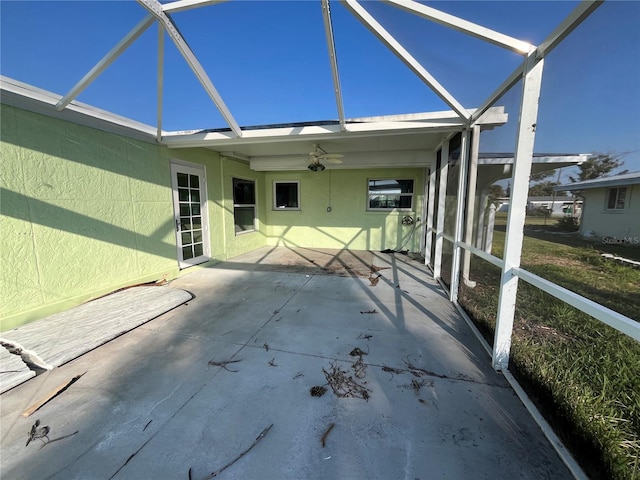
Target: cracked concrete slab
[152,405]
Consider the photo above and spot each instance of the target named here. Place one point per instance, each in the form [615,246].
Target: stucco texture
[83,212]
[611,225]
[348,225]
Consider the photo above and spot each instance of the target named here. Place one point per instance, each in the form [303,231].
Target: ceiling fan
[319,155]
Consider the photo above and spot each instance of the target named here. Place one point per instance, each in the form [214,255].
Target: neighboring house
[559,206]
[611,209]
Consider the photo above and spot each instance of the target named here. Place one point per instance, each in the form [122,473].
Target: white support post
[442,198]
[155,8]
[430,208]
[471,201]
[459,225]
[331,47]
[107,60]
[482,213]
[531,84]
[160,79]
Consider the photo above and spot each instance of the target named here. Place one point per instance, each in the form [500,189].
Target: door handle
[177,225]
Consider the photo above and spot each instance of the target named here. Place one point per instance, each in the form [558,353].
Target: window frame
[244,205]
[617,199]
[274,205]
[392,209]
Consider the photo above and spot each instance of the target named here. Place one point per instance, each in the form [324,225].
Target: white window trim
[285,209]
[606,200]
[254,205]
[412,195]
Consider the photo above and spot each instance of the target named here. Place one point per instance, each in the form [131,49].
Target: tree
[496,191]
[543,189]
[598,165]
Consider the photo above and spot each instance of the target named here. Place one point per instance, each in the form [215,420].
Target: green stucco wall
[348,225]
[83,212]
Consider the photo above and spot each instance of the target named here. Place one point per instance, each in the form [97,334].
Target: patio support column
[525,139]
[459,225]
[430,207]
[471,201]
[442,197]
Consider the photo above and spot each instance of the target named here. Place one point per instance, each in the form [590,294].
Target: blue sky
[269,62]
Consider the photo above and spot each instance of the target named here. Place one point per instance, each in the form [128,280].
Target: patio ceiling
[400,140]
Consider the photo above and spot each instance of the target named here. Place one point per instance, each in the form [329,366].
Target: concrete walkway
[162,402]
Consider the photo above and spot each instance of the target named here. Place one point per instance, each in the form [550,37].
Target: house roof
[621,180]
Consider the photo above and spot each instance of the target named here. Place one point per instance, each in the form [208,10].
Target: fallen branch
[224,364]
[52,394]
[258,438]
[272,362]
[344,386]
[392,370]
[326,434]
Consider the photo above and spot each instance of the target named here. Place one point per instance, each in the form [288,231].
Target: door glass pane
[184,210]
[195,209]
[196,222]
[183,180]
[185,223]
[194,181]
[197,236]
[198,249]
[183,194]
[195,196]
[186,238]
[187,253]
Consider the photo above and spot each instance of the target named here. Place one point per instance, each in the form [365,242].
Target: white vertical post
[482,213]
[471,201]
[491,222]
[442,197]
[531,84]
[160,79]
[459,225]
[430,208]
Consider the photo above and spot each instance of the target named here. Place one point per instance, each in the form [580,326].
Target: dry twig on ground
[257,440]
[323,439]
[343,385]
[224,364]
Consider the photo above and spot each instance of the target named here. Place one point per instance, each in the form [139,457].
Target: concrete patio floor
[152,406]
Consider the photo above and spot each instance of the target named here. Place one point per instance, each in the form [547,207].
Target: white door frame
[180,221]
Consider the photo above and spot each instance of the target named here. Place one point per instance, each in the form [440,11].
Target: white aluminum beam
[463,26]
[160,79]
[523,159]
[442,200]
[181,5]
[328,30]
[107,60]
[430,208]
[575,18]
[385,37]
[471,199]
[155,8]
[459,225]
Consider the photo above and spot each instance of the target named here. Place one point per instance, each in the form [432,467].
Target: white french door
[190,213]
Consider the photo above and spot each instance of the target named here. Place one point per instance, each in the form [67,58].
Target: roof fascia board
[573,20]
[155,8]
[181,5]
[464,26]
[107,60]
[307,133]
[386,38]
[27,97]
[331,47]
[600,183]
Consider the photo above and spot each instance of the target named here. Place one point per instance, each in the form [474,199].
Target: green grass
[583,375]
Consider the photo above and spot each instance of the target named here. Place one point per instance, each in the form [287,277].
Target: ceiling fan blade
[332,155]
[333,160]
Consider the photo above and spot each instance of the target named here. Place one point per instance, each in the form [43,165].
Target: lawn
[583,375]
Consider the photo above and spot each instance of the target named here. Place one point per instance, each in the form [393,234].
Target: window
[390,194]
[286,195]
[244,205]
[615,200]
